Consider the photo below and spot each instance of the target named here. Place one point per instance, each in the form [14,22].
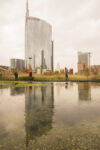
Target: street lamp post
[30,58]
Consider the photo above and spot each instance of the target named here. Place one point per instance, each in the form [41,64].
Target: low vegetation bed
[51,78]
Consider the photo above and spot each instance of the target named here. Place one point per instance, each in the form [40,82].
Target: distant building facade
[83,62]
[95,69]
[58,68]
[17,64]
[38,43]
[71,71]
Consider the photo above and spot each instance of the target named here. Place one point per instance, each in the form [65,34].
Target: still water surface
[55,116]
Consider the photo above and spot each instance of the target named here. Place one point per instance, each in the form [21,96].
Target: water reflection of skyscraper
[84,90]
[39,108]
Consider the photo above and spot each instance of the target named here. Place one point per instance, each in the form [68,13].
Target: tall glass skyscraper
[38,43]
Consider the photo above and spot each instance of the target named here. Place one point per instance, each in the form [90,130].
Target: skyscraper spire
[27,9]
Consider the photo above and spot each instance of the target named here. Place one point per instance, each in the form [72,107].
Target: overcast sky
[75,24]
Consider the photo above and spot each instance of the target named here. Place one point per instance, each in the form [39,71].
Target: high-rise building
[17,64]
[83,61]
[38,43]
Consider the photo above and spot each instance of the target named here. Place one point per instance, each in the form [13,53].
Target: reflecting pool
[54,116]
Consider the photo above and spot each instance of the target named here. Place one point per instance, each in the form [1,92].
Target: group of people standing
[30,74]
[16,75]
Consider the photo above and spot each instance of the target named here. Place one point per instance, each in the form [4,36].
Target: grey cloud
[76,26]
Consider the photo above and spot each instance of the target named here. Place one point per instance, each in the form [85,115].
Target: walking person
[30,75]
[66,73]
[16,75]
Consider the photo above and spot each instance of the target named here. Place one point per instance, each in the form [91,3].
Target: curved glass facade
[38,44]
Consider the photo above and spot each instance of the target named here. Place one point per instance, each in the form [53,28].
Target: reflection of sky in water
[30,113]
[76,103]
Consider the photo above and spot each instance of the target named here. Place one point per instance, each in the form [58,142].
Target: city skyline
[75,28]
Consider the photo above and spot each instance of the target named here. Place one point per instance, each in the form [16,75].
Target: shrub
[62,71]
[48,73]
[0,75]
[95,73]
[56,72]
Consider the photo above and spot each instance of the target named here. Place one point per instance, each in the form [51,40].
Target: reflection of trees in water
[84,90]
[2,87]
[95,85]
[39,107]
[13,90]
[17,91]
